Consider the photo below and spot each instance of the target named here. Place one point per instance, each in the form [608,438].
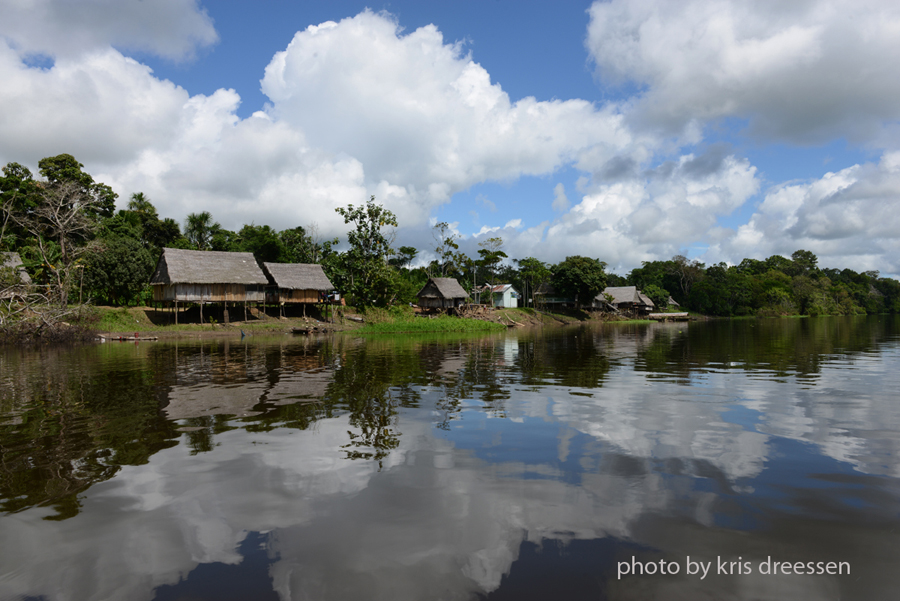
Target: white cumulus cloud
[798,71]
[170,28]
[421,114]
[848,219]
[648,215]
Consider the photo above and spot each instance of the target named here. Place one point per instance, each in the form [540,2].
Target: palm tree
[199,229]
[139,203]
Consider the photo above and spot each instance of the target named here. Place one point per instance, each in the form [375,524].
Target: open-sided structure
[624,298]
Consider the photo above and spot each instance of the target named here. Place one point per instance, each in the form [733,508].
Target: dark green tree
[99,199]
[19,193]
[533,273]
[491,253]
[403,256]
[304,245]
[162,233]
[117,270]
[64,216]
[371,278]
[659,296]
[580,277]
[199,229]
[263,242]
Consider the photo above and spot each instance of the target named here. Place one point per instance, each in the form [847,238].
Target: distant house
[547,296]
[627,299]
[11,260]
[504,295]
[441,293]
[207,276]
[297,283]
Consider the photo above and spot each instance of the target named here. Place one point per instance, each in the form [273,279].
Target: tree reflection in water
[500,464]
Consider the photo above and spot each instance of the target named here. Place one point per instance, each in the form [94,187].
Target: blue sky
[626,131]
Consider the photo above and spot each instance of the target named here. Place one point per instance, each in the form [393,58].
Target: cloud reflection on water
[707,461]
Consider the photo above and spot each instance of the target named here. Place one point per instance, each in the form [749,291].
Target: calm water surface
[526,465]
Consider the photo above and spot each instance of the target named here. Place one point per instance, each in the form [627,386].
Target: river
[732,459]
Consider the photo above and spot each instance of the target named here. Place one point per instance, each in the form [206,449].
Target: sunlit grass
[441,323]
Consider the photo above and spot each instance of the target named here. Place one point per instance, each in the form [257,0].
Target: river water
[709,460]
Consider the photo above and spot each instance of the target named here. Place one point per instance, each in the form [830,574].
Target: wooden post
[245,310]
[201,312]
[176,313]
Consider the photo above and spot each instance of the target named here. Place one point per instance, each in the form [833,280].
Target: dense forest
[74,244]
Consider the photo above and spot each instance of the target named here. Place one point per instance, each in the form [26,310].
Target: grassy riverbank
[127,321]
[441,323]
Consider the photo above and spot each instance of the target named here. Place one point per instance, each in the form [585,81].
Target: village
[235,281]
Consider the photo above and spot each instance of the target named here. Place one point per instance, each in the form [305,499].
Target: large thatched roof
[10,259]
[179,266]
[446,288]
[620,294]
[625,294]
[646,300]
[298,276]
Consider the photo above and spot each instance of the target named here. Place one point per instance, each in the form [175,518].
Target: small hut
[503,296]
[297,283]
[21,280]
[11,260]
[207,276]
[441,293]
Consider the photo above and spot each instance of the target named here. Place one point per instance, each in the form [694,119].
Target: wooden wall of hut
[287,295]
[209,293]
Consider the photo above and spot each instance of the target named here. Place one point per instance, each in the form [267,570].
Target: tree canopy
[580,277]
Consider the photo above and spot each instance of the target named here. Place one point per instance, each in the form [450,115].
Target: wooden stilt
[176,313]
[201,312]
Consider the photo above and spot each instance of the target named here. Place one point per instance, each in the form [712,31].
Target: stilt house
[297,283]
[624,298]
[208,276]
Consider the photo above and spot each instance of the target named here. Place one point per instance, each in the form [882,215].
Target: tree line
[74,244]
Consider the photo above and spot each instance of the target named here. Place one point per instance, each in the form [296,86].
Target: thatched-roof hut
[21,280]
[297,282]
[207,277]
[13,261]
[624,298]
[441,293]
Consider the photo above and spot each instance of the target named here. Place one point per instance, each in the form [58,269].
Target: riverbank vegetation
[78,250]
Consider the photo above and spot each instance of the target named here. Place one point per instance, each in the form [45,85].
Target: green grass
[120,320]
[625,321]
[442,323]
